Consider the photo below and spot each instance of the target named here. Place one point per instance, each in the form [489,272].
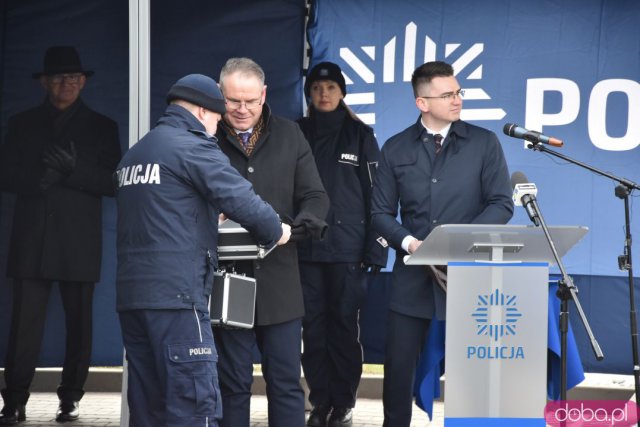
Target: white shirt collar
[250,130]
[444,131]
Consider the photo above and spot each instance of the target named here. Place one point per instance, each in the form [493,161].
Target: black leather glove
[50,177]
[59,159]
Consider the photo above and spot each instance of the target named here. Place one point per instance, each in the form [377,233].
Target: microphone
[524,194]
[516,131]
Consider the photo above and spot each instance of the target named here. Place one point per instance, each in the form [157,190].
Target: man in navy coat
[440,170]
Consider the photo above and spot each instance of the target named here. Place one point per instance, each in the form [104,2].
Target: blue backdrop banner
[568,68]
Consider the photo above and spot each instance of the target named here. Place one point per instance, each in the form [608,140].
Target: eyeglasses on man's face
[447,96]
[235,104]
[69,78]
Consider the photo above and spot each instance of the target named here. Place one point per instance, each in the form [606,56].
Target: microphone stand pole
[625,261]
[566,291]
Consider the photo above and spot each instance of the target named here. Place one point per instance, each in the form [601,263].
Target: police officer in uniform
[172,186]
[333,270]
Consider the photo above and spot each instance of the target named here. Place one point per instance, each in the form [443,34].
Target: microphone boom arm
[623,181]
[622,191]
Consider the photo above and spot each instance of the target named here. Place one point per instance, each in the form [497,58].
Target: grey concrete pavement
[101,405]
[103,410]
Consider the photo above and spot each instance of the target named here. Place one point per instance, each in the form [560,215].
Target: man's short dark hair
[427,71]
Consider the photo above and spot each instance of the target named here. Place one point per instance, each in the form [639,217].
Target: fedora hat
[61,60]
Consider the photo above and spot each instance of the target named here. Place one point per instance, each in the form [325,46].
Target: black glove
[299,233]
[59,159]
[315,228]
[49,178]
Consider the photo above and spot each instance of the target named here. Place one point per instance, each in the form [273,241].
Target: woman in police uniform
[333,269]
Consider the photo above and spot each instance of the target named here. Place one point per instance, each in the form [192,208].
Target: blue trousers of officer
[405,339]
[279,346]
[332,356]
[172,368]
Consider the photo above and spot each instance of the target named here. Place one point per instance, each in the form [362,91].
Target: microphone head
[518,178]
[509,128]
[521,188]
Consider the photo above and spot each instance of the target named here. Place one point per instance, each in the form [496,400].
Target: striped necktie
[437,139]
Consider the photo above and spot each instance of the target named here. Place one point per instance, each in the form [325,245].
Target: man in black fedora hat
[58,159]
[61,60]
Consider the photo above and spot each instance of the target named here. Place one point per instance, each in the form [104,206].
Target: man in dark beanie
[171,188]
[198,90]
[58,159]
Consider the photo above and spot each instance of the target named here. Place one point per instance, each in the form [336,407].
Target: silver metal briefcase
[233,300]
[235,243]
